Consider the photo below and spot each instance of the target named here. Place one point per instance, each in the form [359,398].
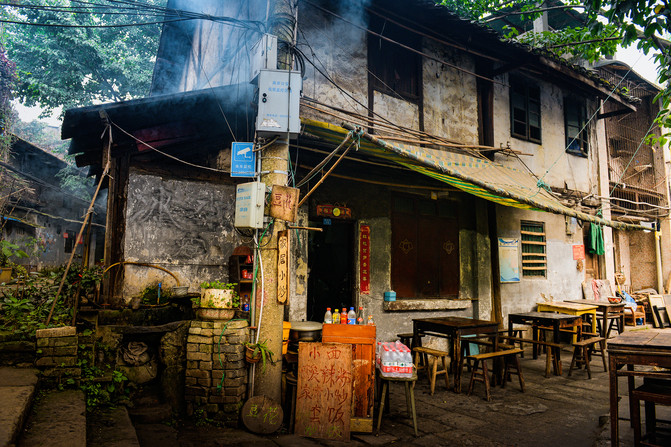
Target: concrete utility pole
[274,163]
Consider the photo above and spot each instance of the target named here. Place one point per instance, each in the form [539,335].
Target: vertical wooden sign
[283,266]
[364,259]
[324,390]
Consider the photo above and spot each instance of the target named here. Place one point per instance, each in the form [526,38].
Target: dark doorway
[331,268]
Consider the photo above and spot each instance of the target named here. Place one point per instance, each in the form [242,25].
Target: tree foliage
[70,67]
[641,22]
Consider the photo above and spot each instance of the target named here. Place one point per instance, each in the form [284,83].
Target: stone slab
[15,406]
[18,377]
[112,428]
[59,420]
[64,331]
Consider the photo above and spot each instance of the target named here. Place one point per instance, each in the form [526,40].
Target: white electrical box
[249,200]
[279,100]
[263,55]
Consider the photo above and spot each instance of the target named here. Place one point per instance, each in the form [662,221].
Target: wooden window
[534,249]
[525,110]
[394,70]
[69,241]
[575,119]
[425,249]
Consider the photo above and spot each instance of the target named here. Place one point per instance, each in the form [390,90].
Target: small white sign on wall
[509,261]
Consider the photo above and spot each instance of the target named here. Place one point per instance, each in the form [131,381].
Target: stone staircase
[17,389]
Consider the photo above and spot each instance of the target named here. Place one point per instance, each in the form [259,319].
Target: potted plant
[219,295]
[218,300]
[255,352]
[8,250]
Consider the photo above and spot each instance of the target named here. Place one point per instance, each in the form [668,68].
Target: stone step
[111,428]
[17,388]
[58,420]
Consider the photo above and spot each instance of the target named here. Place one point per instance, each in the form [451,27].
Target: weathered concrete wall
[578,173]
[450,96]
[181,225]
[642,263]
[563,280]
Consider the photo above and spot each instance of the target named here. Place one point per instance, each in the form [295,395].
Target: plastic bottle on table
[343,316]
[328,317]
[336,316]
[386,361]
[370,321]
[351,316]
[360,316]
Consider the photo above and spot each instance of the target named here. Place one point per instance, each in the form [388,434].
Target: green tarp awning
[505,185]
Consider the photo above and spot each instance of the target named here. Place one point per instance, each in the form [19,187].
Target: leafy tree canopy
[79,59]
[608,23]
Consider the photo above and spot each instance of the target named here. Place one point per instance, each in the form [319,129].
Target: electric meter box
[279,98]
[249,201]
[264,55]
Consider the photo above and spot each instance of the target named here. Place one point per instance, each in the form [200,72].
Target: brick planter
[56,354]
[215,350]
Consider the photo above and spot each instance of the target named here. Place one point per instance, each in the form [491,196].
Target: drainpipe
[658,258]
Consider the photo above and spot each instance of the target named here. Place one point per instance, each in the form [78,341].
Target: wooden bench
[422,354]
[480,371]
[552,357]
[582,353]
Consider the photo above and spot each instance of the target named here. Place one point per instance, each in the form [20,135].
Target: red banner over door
[364,259]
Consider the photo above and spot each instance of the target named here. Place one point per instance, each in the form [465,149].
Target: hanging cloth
[595,245]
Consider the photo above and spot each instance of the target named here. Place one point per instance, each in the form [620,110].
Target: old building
[474,168]
[40,216]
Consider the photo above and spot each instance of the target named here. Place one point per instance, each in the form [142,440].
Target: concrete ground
[556,411]
[17,387]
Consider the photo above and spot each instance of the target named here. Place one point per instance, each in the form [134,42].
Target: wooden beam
[612,113]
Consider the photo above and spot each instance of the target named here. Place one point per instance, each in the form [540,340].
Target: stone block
[205,348]
[190,381]
[224,399]
[191,347]
[62,372]
[230,324]
[192,364]
[205,366]
[207,324]
[195,330]
[65,350]
[234,365]
[235,357]
[63,341]
[230,349]
[207,333]
[44,352]
[64,331]
[236,382]
[42,342]
[56,361]
[231,408]
[204,382]
[201,356]
[233,373]
[199,339]
[198,374]
[195,391]
[201,400]
[212,408]
[234,390]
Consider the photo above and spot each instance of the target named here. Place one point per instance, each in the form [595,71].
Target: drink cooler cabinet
[362,339]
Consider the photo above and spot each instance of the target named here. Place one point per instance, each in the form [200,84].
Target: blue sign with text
[243,160]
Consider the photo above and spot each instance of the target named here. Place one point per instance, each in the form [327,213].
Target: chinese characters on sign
[284,203]
[243,160]
[283,266]
[262,415]
[324,390]
[364,259]
[509,262]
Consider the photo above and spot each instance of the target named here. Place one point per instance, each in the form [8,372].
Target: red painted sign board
[364,259]
[578,252]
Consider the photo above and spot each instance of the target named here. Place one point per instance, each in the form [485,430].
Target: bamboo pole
[86,218]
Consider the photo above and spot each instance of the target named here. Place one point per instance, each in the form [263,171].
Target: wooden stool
[480,372]
[582,351]
[651,392]
[409,397]
[422,354]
